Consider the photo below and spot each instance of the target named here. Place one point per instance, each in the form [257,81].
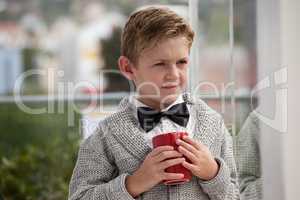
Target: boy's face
[160,73]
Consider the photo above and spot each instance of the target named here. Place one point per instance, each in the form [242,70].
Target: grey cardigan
[118,148]
[248,159]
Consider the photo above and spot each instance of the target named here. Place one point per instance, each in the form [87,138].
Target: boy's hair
[148,26]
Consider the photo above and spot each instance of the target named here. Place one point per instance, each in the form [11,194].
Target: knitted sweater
[118,148]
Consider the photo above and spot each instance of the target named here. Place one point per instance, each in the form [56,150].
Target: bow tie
[149,117]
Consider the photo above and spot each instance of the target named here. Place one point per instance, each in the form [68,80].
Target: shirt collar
[137,103]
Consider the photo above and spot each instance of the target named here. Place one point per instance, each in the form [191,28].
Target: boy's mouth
[170,85]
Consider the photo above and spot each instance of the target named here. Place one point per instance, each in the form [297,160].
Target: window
[58,65]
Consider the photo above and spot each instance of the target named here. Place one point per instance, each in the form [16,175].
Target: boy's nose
[173,72]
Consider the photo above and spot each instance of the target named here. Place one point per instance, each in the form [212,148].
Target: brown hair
[148,26]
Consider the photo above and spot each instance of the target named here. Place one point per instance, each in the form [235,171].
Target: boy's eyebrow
[157,60]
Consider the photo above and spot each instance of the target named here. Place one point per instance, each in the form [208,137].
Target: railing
[114,96]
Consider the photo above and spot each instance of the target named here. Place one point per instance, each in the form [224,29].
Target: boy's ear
[126,67]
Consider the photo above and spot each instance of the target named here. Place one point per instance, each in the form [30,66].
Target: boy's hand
[151,172]
[203,164]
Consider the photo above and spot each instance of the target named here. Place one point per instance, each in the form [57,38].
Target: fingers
[189,166]
[192,142]
[187,146]
[192,157]
[191,149]
[167,155]
[168,163]
[160,149]
[171,176]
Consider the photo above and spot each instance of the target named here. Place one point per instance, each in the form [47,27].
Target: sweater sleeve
[95,176]
[225,184]
[248,160]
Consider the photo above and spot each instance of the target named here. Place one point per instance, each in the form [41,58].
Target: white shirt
[165,125]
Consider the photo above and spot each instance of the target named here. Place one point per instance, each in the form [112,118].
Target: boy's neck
[155,104]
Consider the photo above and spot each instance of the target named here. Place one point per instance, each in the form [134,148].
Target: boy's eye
[159,64]
[182,62]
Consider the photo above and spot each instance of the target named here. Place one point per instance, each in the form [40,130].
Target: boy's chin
[160,101]
[169,99]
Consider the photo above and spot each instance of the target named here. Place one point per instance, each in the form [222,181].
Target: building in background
[11,65]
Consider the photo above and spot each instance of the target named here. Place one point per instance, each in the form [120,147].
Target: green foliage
[37,154]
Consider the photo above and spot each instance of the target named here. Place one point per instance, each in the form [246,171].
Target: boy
[118,162]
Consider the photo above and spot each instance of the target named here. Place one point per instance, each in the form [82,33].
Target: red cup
[169,139]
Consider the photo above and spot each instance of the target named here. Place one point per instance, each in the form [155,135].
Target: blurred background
[59,77]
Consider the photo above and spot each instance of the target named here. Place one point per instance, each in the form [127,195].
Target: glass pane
[59,56]
[245,61]
[210,73]
[69,49]
[247,140]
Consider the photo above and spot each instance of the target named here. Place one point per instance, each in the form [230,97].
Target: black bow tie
[149,117]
